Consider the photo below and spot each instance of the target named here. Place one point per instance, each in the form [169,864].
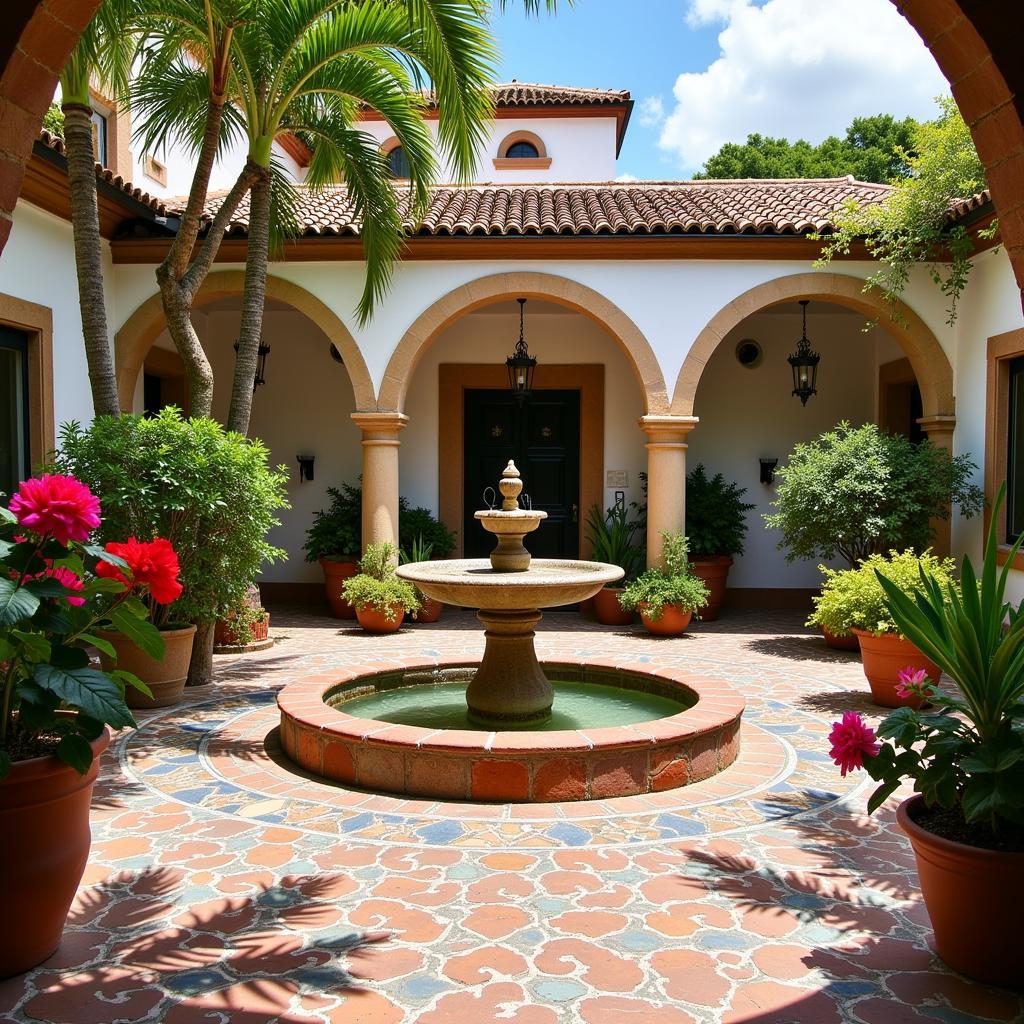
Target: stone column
[940,432]
[666,477]
[380,474]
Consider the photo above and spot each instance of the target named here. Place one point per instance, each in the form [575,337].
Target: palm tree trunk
[85,228]
[200,668]
[253,296]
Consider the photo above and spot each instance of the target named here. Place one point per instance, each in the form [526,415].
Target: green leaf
[101,585]
[140,631]
[92,691]
[68,657]
[35,644]
[75,751]
[98,551]
[100,644]
[47,587]
[882,794]
[132,680]
[16,603]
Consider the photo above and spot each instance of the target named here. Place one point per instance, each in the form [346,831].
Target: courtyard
[224,885]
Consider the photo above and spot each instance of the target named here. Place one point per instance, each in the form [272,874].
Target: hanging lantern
[804,362]
[521,364]
[261,364]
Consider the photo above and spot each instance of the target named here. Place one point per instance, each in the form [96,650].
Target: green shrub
[421,524]
[854,599]
[856,491]
[716,521]
[211,493]
[337,531]
[612,538]
[670,583]
[376,586]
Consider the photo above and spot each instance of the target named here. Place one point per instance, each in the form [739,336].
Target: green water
[576,706]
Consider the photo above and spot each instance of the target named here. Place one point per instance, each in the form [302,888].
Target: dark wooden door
[543,436]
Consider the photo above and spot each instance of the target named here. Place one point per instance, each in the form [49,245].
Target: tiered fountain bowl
[511,728]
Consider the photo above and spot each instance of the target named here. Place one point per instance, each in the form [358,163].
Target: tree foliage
[716,520]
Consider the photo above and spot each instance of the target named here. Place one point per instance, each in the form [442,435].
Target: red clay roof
[532,94]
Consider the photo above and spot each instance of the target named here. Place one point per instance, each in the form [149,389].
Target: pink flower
[56,506]
[70,580]
[913,682]
[852,739]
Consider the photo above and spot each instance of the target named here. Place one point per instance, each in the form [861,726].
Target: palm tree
[103,55]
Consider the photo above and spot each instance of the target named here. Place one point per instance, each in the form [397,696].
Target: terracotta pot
[608,610]
[714,571]
[975,900]
[672,621]
[883,658]
[586,608]
[374,621]
[336,571]
[166,677]
[44,815]
[224,633]
[430,610]
[840,643]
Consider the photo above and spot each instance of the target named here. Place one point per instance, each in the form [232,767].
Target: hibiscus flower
[152,564]
[913,682]
[56,506]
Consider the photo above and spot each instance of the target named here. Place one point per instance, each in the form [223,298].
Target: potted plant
[965,820]
[858,491]
[430,608]
[210,492]
[245,623]
[57,708]
[852,601]
[716,525]
[612,539]
[420,525]
[380,598]
[334,541]
[667,596]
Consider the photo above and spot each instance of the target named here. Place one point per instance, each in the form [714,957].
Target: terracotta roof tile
[961,207]
[533,94]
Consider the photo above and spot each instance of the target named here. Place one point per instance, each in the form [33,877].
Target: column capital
[667,428]
[943,423]
[380,425]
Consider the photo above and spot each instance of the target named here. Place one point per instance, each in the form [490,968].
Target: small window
[398,163]
[522,151]
[99,137]
[1015,452]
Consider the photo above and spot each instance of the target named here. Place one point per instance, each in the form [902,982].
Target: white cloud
[651,112]
[800,69]
[626,176]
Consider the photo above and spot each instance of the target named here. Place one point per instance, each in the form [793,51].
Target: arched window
[522,151]
[398,163]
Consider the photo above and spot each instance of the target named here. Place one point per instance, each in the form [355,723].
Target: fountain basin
[513,766]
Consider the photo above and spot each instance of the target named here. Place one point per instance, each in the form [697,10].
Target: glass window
[99,137]
[522,151]
[14,434]
[1015,452]
[398,163]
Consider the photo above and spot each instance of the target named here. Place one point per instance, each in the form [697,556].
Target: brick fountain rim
[514,767]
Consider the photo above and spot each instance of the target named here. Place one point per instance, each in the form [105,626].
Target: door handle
[575,513]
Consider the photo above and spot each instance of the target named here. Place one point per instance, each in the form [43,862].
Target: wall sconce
[261,364]
[305,467]
[768,470]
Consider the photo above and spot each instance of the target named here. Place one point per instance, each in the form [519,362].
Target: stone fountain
[510,689]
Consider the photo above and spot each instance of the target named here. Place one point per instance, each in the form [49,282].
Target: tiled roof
[789,207]
[961,207]
[531,94]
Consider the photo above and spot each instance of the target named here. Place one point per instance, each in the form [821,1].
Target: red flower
[153,564]
[56,506]
[852,740]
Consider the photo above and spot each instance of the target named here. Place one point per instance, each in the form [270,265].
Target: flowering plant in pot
[334,541]
[58,591]
[853,602]
[419,551]
[380,598]
[966,762]
[667,596]
[613,539]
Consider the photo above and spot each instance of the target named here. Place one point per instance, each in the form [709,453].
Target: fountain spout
[510,524]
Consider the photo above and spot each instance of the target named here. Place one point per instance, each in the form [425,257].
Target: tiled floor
[223,887]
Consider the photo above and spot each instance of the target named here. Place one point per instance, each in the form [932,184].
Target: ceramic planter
[430,610]
[840,643]
[224,634]
[672,621]
[883,658]
[974,899]
[375,621]
[44,814]
[608,610]
[165,677]
[714,571]
[336,571]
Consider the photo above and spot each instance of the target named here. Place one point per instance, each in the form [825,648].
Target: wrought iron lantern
[804,362]
[521,364]
[261,364]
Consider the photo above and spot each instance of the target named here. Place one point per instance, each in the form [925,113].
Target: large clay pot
[672,621]
[608,610]
[430,610]
[714,571]
[165,677]
[974,899]
[336,571]
[44,815]
[374,621]
[883,658]
[840,643]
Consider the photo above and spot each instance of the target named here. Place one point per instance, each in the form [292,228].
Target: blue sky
[703,72]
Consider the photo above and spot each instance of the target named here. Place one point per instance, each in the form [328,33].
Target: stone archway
[136,336]
[485,290]
[930,363]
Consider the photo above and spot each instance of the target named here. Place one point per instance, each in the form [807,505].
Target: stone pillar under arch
[380,474]
[940,429]
[666,477]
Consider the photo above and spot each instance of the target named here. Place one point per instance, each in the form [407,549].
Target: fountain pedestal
[510,688]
